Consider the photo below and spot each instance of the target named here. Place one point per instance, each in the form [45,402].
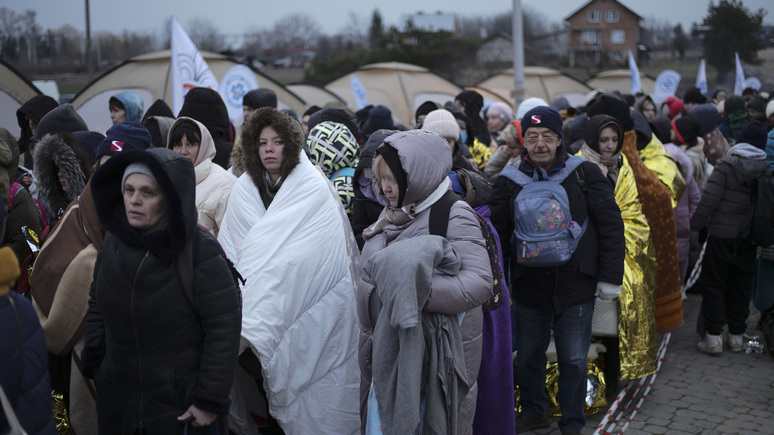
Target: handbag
[604,321]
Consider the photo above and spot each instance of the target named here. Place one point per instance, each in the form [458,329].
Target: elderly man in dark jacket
[562,296]
[729,262]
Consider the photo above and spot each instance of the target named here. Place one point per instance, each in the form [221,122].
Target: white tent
[400,86]
[620,80]
[15,90]
[540,82]
[149,76]
[314,95]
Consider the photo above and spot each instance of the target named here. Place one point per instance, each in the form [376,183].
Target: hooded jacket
[206,106]
[726,199]
[55,153]
[23,362]
[426,160]
[688,202]
[715,144]
[367,205]
[213,183]
[133,105]
[34,109]
[151,350]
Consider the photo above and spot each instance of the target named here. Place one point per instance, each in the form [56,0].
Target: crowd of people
[343,272]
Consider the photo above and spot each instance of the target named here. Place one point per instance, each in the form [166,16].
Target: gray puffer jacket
[426,161]
[726,198]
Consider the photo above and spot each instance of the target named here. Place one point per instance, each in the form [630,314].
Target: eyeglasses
[546,138]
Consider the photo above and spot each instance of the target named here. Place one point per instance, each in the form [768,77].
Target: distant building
[436,22]
[602,27]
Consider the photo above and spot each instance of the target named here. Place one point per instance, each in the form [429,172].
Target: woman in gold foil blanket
[634,350]
[659,188]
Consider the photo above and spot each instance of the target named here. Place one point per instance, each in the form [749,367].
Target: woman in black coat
[163,325]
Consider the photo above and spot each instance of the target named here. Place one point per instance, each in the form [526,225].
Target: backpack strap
[439,213]
[581,176]
[185,270]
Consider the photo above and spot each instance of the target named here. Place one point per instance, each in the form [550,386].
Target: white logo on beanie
[117,145]
[536,119]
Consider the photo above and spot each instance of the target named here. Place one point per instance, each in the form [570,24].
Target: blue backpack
[544,233]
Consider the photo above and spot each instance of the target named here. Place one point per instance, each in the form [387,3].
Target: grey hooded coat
[426,160]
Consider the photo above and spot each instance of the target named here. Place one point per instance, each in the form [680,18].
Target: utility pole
[518,56]
[89,59]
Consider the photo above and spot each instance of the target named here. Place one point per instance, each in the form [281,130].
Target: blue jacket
[24,366]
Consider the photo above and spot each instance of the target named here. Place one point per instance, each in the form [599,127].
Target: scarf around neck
[403,215]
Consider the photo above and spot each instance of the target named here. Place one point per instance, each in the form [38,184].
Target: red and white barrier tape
[694,276]
[660,359]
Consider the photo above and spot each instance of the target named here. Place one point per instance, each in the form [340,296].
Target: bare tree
[204,35]
[294,31]
[353,32]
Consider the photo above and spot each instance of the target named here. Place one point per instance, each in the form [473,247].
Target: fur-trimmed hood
[175,177]
[52,154]
[206,145]
[287,128]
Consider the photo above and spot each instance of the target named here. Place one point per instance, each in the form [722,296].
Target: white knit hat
[442,123]
[529,104]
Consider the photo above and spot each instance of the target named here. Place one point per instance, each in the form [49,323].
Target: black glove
[694,238]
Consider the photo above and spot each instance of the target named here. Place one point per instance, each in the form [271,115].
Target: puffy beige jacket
[213,183]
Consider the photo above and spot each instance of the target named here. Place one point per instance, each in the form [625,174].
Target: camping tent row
[399,86]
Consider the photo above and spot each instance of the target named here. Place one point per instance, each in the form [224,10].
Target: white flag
[635,73]
[359,91]
[666,85]
[752,82]
[701,78]
[739,82]
[189,70]
[238,81]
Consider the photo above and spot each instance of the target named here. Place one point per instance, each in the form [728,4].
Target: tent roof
[15,90]
[149,75]
[540,82]
[400,86]
[314,94]
[620,80]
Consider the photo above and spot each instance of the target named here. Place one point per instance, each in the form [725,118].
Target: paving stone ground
[695,393]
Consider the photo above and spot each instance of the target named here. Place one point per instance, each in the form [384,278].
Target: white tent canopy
[149,76]
[315,95]
[15,90]
[400,86]
[620,80]
[540,82]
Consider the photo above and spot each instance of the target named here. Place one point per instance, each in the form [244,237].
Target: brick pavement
[695,393]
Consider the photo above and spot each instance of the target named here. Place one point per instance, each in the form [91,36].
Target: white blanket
[299,259]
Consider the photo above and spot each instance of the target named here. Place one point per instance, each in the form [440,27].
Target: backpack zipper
[137,338]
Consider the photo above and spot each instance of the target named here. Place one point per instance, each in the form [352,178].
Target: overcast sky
[239,16]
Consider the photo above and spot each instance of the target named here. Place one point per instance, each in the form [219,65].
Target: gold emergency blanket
[637,332]
[658,160]
[595,390]
[480,152]
[657,199]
